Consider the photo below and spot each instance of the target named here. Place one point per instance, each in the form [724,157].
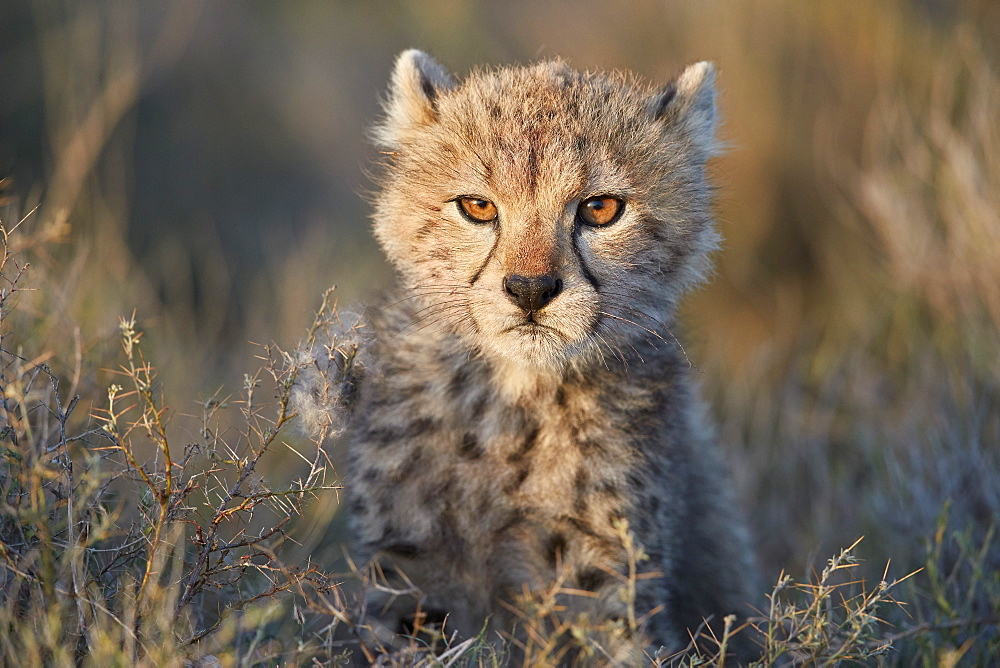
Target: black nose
[532,293]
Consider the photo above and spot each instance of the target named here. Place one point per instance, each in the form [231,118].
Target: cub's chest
[475,478]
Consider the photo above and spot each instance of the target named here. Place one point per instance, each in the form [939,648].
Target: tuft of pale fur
[328,372]
[498,452]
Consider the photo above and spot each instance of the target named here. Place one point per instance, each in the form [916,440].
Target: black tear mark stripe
[489,256]
[583,263]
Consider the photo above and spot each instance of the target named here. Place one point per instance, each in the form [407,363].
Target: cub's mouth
[531,326]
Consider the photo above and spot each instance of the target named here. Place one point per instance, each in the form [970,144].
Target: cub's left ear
[688,102]
[417,81]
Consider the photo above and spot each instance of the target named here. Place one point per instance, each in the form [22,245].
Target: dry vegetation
[849,347]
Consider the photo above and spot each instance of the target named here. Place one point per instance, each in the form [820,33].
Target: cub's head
[543,214]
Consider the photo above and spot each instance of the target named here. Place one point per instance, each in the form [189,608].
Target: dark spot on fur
[590,447]
[422,426]
[583,527]
[517,419]
[591,579]
[383,437]
[454,545]
[370,475]
[513,519]
[439,490]
[416,457]
[480,405]
[581,488]
[401,549]
[526,445]
[379,404]
[561,397]
[358,506]
[408,392]
[555,548]
[470,448]
[484,504]
[425,230]
[518,480]
[458,385]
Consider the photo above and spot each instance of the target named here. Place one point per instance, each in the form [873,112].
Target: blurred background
[205,164]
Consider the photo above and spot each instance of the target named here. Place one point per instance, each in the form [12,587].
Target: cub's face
[544,215]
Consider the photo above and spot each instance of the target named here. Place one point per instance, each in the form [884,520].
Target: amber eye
[477,210]
[600,210]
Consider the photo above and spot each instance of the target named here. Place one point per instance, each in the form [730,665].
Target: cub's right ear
[688,102]
[417,81]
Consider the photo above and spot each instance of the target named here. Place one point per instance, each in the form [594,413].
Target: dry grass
[121,545]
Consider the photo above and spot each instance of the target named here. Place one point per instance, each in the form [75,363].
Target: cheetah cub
[518,411]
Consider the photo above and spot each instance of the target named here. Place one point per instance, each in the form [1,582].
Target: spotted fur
[492,450]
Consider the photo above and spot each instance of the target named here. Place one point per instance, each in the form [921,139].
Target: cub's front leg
[578,585]
[418,565]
